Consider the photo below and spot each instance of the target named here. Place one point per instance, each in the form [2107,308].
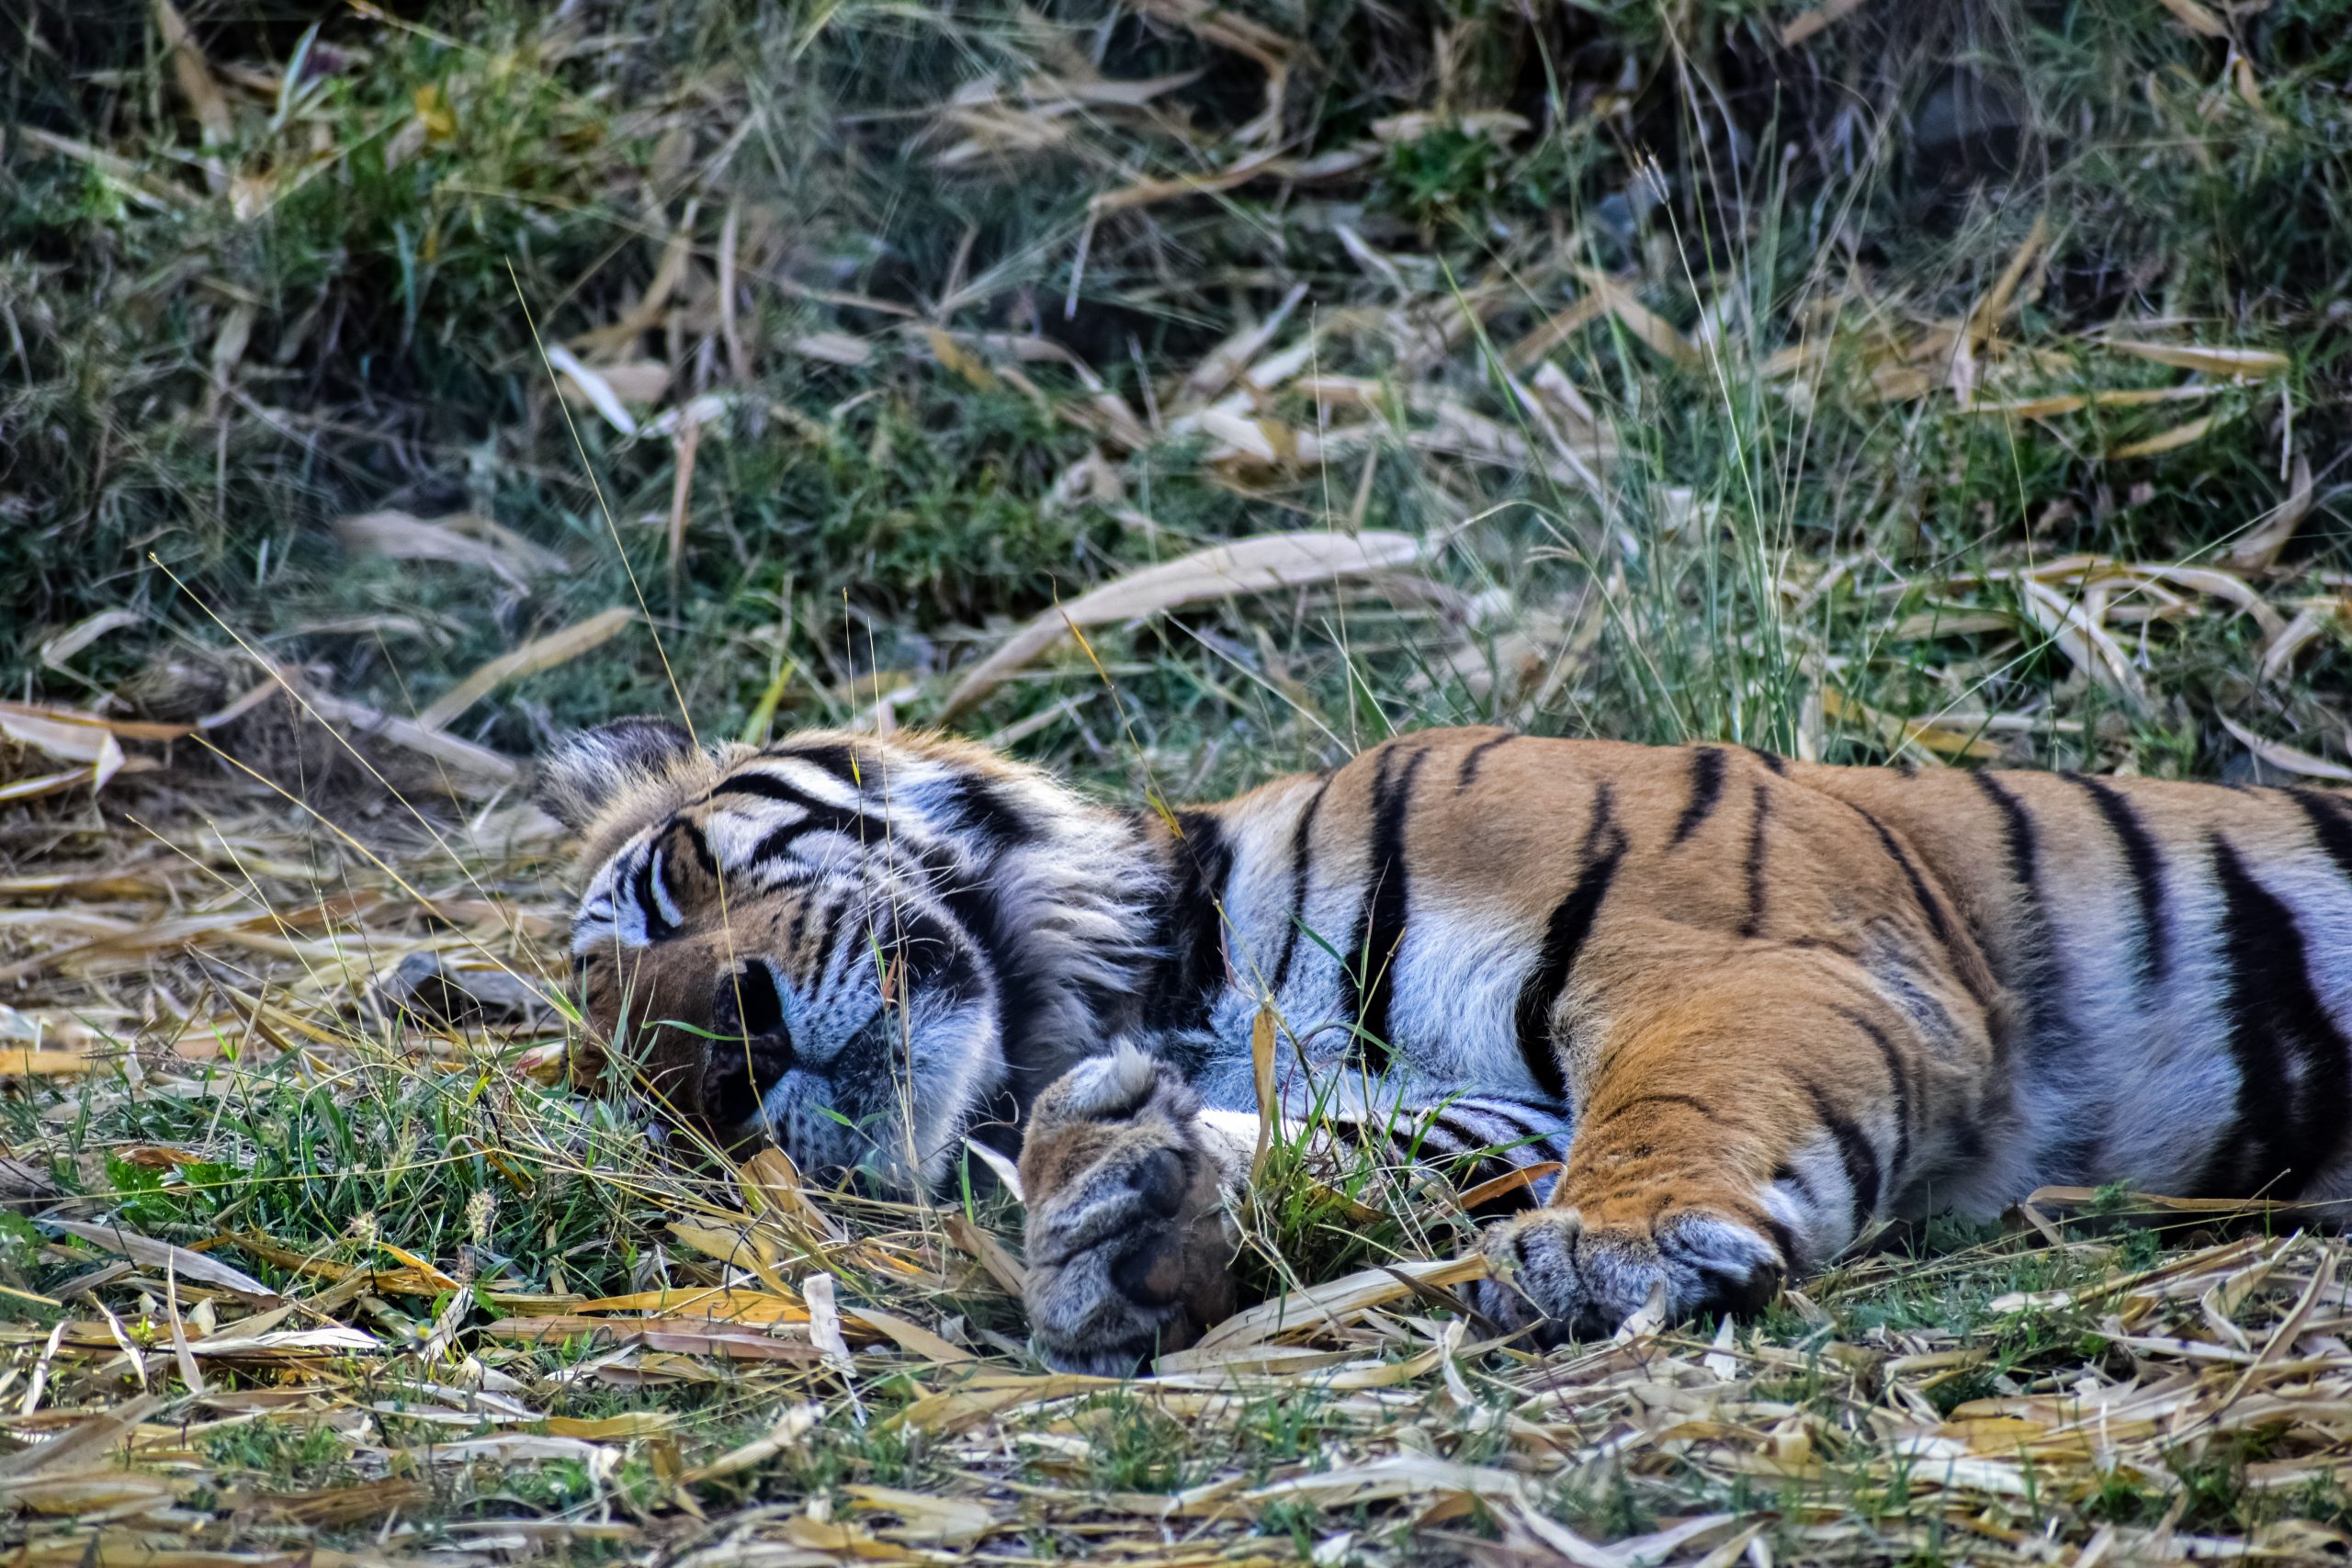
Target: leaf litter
[139,1348]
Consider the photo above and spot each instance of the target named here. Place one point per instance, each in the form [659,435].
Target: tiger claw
[1567,1280]
[546,1066]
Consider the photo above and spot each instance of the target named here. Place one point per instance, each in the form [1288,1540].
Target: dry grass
[392,399]
[797,1378]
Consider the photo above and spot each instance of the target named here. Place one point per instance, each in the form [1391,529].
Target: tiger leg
[1130,1250]
[1129,1181]
[1731,1139]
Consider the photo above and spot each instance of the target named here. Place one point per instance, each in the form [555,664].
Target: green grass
[1765,535]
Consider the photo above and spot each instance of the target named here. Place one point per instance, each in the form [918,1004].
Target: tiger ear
[581,777]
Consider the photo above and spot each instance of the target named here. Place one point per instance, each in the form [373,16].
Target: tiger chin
[1719,1012]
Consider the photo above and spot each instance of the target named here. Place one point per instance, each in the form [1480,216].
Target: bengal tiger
[1740,1006]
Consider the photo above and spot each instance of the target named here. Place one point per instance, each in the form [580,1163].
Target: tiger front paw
[1130,1250]
[1572,1279]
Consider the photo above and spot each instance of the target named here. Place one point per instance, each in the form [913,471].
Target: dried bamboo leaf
[539,653]
[597,388]
[1995,304]
[927,1518]
[2197,18]
[1221,571]
[156,1253]
[459,539]
[56,652]
[86,1438]
[2288,642]
[2258,549]
[68,736]
[2284,757]
[1318,1305]
[193,74]
[1651,329]
[2213,359]
[1805,23]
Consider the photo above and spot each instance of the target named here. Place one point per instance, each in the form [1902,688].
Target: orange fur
[1777,1000]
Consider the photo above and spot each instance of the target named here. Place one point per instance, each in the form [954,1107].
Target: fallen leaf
[156,1254]
[460,538]
[56,652]
[1316,1305]
[1221,571]
[909,1336]
[1651,328]
[949,1521]
[540,653]
[2257,548]
[1805,23]
[602,388]
[65,735]
[2284,757]
[2170,440]
[2196,18]
[2214,360]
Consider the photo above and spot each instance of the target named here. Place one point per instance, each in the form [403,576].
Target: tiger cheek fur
[1130,1251]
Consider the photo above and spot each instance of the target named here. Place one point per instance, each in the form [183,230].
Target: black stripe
[1369,993]
[1468,773]
[1795,1177]
[1784,1239]
[2292,1072]
[799,923]
[1024,990]
[1302,842]
[2042,981]
[835,757]
[839,927]
[2329,824]
[658,927]
[1898,1076]
[930,953]
[2035,947]
[699,844]
[984,811]
[1520,1117]
[817,816]
[1468,1140]
[1854,1152]
[1755,922]
[1928,904]
[1564,937]
[1661,1097]
[2147,864]
[1896,982]
[2016,835]
[1407,1139]
[1706,788]
[1191,968]
[1772,760]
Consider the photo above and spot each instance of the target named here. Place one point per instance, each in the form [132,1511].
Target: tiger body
[1745,1006]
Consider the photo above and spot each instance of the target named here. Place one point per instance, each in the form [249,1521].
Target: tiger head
[860,949]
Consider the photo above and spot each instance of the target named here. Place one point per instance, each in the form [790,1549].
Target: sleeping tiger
[1725,1009]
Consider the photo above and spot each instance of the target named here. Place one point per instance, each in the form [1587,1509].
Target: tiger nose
[750,1046]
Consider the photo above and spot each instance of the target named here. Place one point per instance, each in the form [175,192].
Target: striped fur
[1752,1004]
